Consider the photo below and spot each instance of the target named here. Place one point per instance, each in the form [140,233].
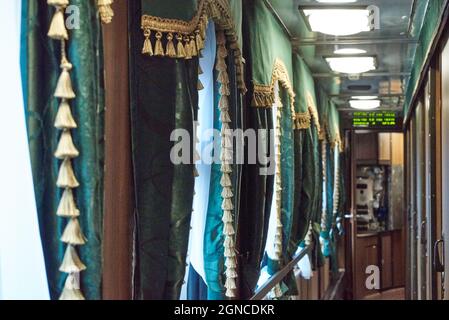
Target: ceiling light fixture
[365,97]
[352,65]
[336,1]
[365,104]
[346,51]
[337,20]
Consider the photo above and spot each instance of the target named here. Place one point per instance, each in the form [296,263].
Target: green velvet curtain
[268,42]
[40,66]
[307,151]
[164,97]
[170,9]
[311,186]
[263,43]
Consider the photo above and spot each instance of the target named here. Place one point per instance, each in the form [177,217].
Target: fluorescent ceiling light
[365,104]
[336,1]
[365,97]
[349,51]
[352,65]
[338,22]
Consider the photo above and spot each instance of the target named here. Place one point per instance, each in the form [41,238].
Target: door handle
[438,266]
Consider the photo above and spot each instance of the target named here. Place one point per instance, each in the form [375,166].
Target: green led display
[377,119]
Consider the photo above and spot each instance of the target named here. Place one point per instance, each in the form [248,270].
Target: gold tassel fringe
[64,88]
[64,117]
[67,207]
[71,262]
[73,234]
[66,148]
[57,30]
[66,177]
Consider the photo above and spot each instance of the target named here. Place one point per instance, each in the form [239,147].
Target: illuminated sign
[375,119]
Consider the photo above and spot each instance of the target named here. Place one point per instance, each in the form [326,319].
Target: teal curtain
[40,67]
[213,235]
[164,97]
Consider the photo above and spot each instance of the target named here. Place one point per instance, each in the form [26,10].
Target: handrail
[265,289]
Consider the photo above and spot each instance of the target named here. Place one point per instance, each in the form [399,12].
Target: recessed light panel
[336,1]
[365,97]
[346,51]
[338,22]
[352,65]
[365,104]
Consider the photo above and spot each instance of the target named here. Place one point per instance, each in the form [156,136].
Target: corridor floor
[394,294]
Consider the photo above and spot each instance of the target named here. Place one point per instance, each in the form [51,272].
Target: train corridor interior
[202,150]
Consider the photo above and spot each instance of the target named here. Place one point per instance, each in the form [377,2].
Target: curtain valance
[177,29]
[271,55]
[333,126]
[305,104]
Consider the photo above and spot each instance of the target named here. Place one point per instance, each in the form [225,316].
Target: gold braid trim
[313,111]
[174,25]
[105,10]
[263,96]
[323,133]
[302,120]
[66,151]
[190,36]
[338,142]
[220,12]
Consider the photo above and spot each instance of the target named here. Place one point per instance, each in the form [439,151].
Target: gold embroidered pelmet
[185,39]
[264,95]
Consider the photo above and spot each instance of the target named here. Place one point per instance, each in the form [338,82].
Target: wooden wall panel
[385,147]
[117,281]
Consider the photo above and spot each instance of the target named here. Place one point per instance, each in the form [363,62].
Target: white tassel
[71,290]
[224,117]
[226,168]
[71,262]
[64,117]
[67,207]
[225,181]
[226,142]
[57,30]
[229,253]
[228,242]
[64,89]
[226,156]
[227,217]
[105,9]
[227,193]
[230,284]
[225,90]
[231,273]
[230,263]
[58,3]
[225,126]
[66,148]
[227,205]
[230,293]
[228,229]
[73,234]
[66,177]
[224,103]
